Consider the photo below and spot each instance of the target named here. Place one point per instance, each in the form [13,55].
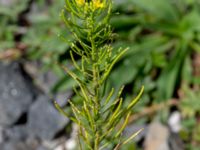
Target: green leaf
[161,9]
[170,75]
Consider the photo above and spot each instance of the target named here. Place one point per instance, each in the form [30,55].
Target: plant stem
[99,112]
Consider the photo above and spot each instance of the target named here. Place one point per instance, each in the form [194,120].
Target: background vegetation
[164,55]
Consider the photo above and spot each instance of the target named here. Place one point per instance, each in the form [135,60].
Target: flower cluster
[100,110]
[95,4]
[98,4]
[80,2]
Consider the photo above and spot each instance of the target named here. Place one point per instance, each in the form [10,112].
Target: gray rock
[13,146]
[157,137]
[1,135]
[7,2]
[175,142]
[131,129]
[16,133]
[63,97]
[174,121]
[42,148]
[43,80]
[15,94]
[32,143]
[53,144]
[44,121]
[19,145]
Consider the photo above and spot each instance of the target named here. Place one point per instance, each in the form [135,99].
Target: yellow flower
[80,2]
[98,4]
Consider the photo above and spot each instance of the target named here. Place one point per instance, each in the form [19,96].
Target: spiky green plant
[100,112]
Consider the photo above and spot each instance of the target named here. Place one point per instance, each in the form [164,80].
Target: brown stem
[147,111]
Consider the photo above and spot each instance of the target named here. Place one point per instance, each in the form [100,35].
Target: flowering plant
[100,112]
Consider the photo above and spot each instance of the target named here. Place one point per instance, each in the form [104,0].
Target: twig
[153,109]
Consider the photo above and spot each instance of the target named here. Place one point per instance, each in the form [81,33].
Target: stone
[16,133]
[175,142]
[70,144]
[131,129]
[43,80]
[15,93]
[42,148]
[63,97]
[13,146]
[18,145]
[174,122]
[33,143]
[7,2]
[157,137]
[1,135]
[44,121]
[53,144]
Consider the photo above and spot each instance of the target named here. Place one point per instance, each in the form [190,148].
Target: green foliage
[41,38]
[8,23]
[161,35]
[43,44]
[98,114]
[190,108]
[190,104]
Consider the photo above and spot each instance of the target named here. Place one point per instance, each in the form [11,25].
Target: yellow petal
[98,4]
[80,2]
